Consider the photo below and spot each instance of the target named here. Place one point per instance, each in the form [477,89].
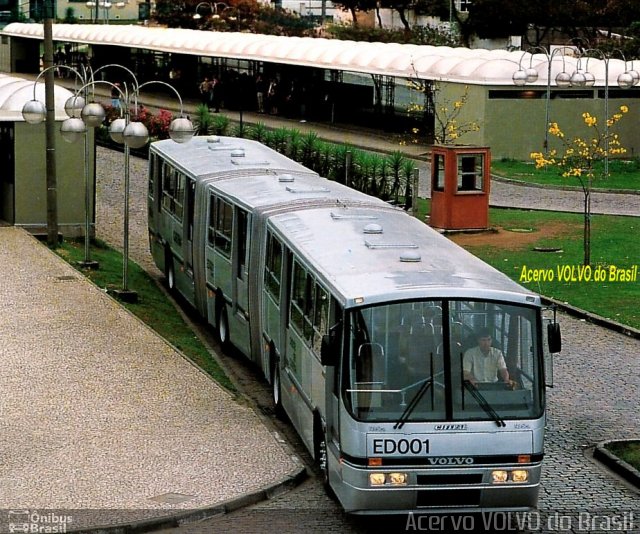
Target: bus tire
[222,325]
[276,386]
[169,272]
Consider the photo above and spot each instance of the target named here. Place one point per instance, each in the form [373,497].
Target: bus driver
[484,363]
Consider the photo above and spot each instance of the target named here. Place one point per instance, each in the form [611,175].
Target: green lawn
[623,174]
[614,242]
[628,451]
[153,306]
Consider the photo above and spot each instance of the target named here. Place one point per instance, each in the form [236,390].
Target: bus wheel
[222,324]
[276,387]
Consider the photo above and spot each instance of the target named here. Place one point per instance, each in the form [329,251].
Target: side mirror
[554,337]
[328,350]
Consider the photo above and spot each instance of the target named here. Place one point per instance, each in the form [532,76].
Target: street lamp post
[132,134]
[581,77]
[97,4]
[32,113]
[215,8]
[52,182]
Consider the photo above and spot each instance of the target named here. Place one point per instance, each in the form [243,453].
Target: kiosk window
[470,172]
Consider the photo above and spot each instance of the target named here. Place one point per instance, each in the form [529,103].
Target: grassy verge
[614,242]
[153,306]
[623,174]
[628,451]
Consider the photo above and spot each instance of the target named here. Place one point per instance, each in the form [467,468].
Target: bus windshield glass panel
[457,360]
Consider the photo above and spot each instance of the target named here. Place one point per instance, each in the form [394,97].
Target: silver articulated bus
[365,322]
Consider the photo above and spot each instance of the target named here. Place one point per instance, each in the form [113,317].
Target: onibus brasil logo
[32,521]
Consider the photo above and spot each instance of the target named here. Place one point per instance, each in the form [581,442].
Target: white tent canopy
[15,92]
[441,63]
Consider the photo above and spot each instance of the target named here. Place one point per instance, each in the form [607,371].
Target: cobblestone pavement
[597,383]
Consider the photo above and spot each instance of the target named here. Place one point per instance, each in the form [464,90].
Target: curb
[200,514]
[618,466]
[593,318]
[504,179]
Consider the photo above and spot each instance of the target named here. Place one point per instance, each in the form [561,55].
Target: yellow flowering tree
[577,159]
[447,126]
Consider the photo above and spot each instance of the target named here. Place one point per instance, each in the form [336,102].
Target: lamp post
[97,4]
[580,77]
[212,9]
[215,8]
[530,75]
[52,181]
[133,134]
[32,113]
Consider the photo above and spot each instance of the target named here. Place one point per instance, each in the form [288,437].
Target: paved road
[597,379]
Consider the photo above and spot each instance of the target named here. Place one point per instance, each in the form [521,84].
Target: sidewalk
[101,420]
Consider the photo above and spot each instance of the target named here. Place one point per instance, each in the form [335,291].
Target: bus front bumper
[430,490]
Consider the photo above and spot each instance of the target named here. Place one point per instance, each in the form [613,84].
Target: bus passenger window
[168,186]
[223,227]
[211,226]
[302,298]
[242,242]
[321,317]
[273,268]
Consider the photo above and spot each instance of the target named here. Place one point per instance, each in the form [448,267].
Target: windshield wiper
[483,403]
[414,402]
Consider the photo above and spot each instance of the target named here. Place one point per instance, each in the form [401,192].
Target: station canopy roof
[439,63]
[15,92]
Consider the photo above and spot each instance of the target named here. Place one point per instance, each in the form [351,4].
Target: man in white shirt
[484,363]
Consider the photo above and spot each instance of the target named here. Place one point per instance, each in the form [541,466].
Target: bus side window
[302,299]
[211,224]
[168,186]
[273,267]
[321,317]
[243,238]
[298,296]
[191,198]
[223,227]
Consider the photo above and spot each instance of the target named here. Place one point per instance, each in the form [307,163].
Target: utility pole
[50,122]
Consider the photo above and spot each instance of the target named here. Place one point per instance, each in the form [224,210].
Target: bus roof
[207,156]
[369,256]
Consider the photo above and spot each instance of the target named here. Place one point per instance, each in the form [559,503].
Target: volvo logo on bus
[451,460]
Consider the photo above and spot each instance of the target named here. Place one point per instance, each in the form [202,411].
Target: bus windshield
[443,360]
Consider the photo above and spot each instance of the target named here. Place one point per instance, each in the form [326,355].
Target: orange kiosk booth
[460,187]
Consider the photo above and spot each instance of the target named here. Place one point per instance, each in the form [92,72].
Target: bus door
[188,227]
[218,251]
[334,328]
[241,243]
[175,228]
[271,299]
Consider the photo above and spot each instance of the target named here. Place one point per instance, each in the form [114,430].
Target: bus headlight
[377,479]
[397,479]
[519,475]
[499,477]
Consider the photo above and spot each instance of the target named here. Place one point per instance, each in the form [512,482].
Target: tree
[353,6]
[440,117]
[498,18]
[578,161]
